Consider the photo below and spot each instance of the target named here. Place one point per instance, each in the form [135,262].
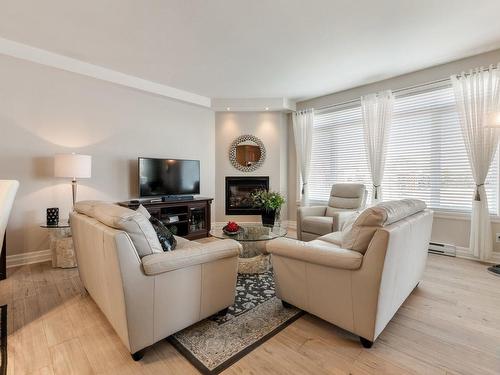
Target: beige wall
[448,230]
[44,111]
[272,129]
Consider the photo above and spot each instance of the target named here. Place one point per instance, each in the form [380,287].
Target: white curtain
[302,131]
[477,98]
[377,112]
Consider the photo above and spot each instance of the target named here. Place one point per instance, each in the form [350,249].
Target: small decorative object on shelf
[270,203]
[52,216]
[231,228]
[173,218]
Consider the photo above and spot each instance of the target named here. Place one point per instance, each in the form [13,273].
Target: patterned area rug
[214,344]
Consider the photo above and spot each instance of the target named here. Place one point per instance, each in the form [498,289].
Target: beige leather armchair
[345,200]
[357,279]
[147,294]
[8,190]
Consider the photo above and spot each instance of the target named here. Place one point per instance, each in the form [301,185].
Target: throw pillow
[143,210]
[165,236]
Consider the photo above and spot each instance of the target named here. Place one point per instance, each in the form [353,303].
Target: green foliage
[268,200]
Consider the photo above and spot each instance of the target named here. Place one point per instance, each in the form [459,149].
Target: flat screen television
[160,177]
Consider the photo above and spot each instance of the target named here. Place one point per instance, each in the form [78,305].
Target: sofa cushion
[359,235]
[143,210]
[398,210]
[87,207]
[182,241]
[139,228]
[333,238]
[317,252]
[317,224]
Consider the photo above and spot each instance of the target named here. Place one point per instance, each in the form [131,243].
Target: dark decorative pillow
[165,236]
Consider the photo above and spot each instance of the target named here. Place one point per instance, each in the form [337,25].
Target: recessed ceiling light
[228,109]
[267,108]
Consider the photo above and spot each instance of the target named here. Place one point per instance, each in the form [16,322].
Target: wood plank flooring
[449,325]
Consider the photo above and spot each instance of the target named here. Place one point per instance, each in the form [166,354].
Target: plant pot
[268,217]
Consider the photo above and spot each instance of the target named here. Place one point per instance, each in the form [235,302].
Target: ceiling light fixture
[267,108]
[228,109]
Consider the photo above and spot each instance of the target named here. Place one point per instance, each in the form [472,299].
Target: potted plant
[270,203]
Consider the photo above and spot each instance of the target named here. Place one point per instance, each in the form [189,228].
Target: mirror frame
[232,153]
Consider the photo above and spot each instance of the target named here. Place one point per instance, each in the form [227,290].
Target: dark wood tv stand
[193,215]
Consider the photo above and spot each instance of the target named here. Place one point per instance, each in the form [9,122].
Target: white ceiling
[257,48]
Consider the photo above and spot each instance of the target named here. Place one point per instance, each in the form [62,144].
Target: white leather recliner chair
[357,279]
[147,294]
[345,200]
[8,190]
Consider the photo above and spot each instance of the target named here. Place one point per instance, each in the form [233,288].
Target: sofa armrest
[316,252]
[172,260]
[311,211]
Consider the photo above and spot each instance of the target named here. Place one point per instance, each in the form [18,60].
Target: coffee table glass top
[252,233]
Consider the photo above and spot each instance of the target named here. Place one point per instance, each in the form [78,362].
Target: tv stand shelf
[193,215]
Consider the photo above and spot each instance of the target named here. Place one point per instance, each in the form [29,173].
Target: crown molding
[54,60]
[253,105]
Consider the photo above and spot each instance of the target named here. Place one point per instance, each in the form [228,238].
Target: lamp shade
[72,165]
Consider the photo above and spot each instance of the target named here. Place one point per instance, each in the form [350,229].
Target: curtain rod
[438,81]
[352,101]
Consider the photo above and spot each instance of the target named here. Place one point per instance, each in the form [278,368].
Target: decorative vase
[52,216]
[268,217]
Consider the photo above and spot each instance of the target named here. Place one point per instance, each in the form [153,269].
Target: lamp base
[74,188]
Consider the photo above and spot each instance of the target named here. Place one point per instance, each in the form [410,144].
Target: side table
[61,245]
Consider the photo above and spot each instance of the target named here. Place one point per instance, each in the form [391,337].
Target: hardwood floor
[449,325]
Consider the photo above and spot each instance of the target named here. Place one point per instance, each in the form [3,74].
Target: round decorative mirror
[247,153]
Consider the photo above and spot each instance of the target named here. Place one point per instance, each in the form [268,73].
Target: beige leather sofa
[8,190]
[145,293]
[345,200]
[357,279]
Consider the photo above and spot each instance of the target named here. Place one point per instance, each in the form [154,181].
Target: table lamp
[72,166]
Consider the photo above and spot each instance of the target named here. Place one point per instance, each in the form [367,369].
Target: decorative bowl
[231,233]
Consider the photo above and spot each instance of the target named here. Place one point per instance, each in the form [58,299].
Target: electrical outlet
[498,237]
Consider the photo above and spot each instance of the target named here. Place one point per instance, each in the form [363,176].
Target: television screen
[159,177]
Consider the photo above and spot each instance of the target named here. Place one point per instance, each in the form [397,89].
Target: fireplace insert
[238,194]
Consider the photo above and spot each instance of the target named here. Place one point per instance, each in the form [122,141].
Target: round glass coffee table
[253,238]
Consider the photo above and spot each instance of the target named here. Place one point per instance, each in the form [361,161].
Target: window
[426,157]
[338,152]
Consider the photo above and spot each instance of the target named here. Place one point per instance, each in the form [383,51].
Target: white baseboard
[464,252]
[28,258]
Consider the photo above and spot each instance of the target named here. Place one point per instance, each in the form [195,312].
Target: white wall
[272,129]
[44,111]
[446,229]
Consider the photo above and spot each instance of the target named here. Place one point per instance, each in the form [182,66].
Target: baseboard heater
[442,249]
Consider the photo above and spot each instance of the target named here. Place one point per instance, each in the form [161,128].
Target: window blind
[426,157]
[338,152]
